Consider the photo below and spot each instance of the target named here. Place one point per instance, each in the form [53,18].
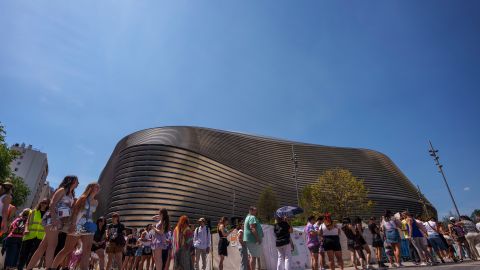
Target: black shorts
[332,243]
[314,249]
[361,241]
[223,247]
[351,244]
[130,252]
[147,251]
[377,241]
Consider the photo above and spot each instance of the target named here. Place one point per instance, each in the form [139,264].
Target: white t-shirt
[327,232]
[431,226]
[478,226]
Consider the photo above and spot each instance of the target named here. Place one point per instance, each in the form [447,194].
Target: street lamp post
[433,153]
[295,172]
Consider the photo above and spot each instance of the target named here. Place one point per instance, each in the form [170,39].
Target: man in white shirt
[202,244]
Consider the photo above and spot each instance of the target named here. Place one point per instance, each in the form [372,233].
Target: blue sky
[75,77]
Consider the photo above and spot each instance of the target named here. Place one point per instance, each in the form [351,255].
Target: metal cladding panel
[212,173]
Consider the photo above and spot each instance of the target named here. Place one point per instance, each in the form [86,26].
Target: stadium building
[210,173]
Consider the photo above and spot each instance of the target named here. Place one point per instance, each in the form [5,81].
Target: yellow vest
[35,228]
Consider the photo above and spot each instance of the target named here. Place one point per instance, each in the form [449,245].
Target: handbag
[90,227]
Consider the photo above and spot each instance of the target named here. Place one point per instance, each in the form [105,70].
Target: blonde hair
[83,198]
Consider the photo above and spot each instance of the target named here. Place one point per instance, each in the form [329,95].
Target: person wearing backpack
[13,242]
[202,244]
[458,235]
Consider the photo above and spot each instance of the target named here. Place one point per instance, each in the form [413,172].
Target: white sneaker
[423,264]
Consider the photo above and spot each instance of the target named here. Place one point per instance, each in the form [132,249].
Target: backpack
[195,233]
[458,231]
[19,227]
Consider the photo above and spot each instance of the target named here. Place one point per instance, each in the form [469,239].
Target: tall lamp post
[295,172]
[436,158]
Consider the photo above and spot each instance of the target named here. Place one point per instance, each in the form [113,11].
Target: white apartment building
[46,191]
[32,166]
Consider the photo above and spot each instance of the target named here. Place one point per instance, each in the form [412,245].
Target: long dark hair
[44,201]
[67,184]
[81,202]
[165,219]
[104,228]
[221,222]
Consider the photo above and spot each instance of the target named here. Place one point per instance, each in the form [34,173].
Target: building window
[16,169]
[18,163]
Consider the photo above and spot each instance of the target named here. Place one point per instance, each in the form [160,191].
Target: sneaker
[423,264]
[370,267]
[400,265]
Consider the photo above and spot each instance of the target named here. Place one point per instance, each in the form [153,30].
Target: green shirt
[248,235]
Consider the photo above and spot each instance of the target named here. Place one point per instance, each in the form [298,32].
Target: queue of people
[61,233]
[399,237]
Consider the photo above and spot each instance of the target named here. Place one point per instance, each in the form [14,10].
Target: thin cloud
[466,188]
[85,150]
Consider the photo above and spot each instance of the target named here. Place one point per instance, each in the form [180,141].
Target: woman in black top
[360,240]
[131,248]
[377,242]
[353,243]
[222,242]
[99,244]
[282,231]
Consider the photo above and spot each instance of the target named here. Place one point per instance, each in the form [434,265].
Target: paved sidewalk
[466,265]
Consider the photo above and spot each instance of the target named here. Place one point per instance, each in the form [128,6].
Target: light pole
[233,204]
[295,172]
[433,153]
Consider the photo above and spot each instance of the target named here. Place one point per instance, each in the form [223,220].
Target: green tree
[20,189]
[267,204]
[337,192]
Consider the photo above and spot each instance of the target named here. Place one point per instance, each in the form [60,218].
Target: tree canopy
[267,204]
[7,155]
[338,192]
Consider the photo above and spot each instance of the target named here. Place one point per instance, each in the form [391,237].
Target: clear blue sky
[77,76]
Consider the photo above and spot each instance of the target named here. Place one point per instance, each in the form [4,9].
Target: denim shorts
[436,242]
[392,236]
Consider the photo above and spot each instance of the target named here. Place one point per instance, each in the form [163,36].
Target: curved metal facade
[213,173]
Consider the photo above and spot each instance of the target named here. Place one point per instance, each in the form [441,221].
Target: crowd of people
[61,233]
[394,239]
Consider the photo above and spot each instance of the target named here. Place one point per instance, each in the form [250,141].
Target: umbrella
[288,211]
